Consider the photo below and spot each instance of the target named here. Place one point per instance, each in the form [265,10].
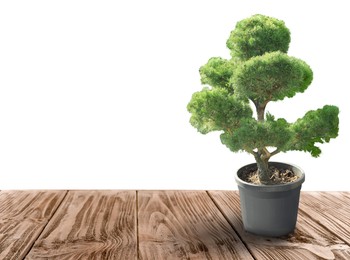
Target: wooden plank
[309,241]
[23,216]
[330,209]
[185,225]
[91,225]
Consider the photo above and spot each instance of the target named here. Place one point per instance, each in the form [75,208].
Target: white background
[93,94]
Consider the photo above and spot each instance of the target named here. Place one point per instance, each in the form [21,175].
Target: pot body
[270,210]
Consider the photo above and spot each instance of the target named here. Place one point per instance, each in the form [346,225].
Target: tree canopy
[216,109]
[271,77]
[257,35]
[217,73]
[260,70]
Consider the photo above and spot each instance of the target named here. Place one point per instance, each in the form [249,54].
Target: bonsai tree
[261,71]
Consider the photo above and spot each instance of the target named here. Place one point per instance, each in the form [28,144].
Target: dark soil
[279,176]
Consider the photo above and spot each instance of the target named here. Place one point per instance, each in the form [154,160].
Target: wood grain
[23,216]
[162,225]
[331,209]
[91,225]
[185,225]
[310,240]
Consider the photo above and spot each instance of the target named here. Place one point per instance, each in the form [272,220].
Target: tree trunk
[260,110]
[262,156]
[263,169]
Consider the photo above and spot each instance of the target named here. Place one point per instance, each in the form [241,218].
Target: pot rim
[271,188]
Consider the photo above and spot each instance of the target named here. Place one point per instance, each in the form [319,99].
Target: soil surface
[279,176]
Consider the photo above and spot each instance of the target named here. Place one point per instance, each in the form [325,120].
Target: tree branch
[274,152]
[267,153]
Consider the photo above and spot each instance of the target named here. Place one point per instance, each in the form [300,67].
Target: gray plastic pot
[270,210]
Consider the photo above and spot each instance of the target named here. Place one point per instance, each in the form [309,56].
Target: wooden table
[129,224]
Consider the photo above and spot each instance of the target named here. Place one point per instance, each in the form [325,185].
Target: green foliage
[253,134]
[260,70]
[257,35]
[317,126]
[272,76]
[217,73]
[216,109]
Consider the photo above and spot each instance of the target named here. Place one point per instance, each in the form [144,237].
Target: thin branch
[275,152]
[266,152]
